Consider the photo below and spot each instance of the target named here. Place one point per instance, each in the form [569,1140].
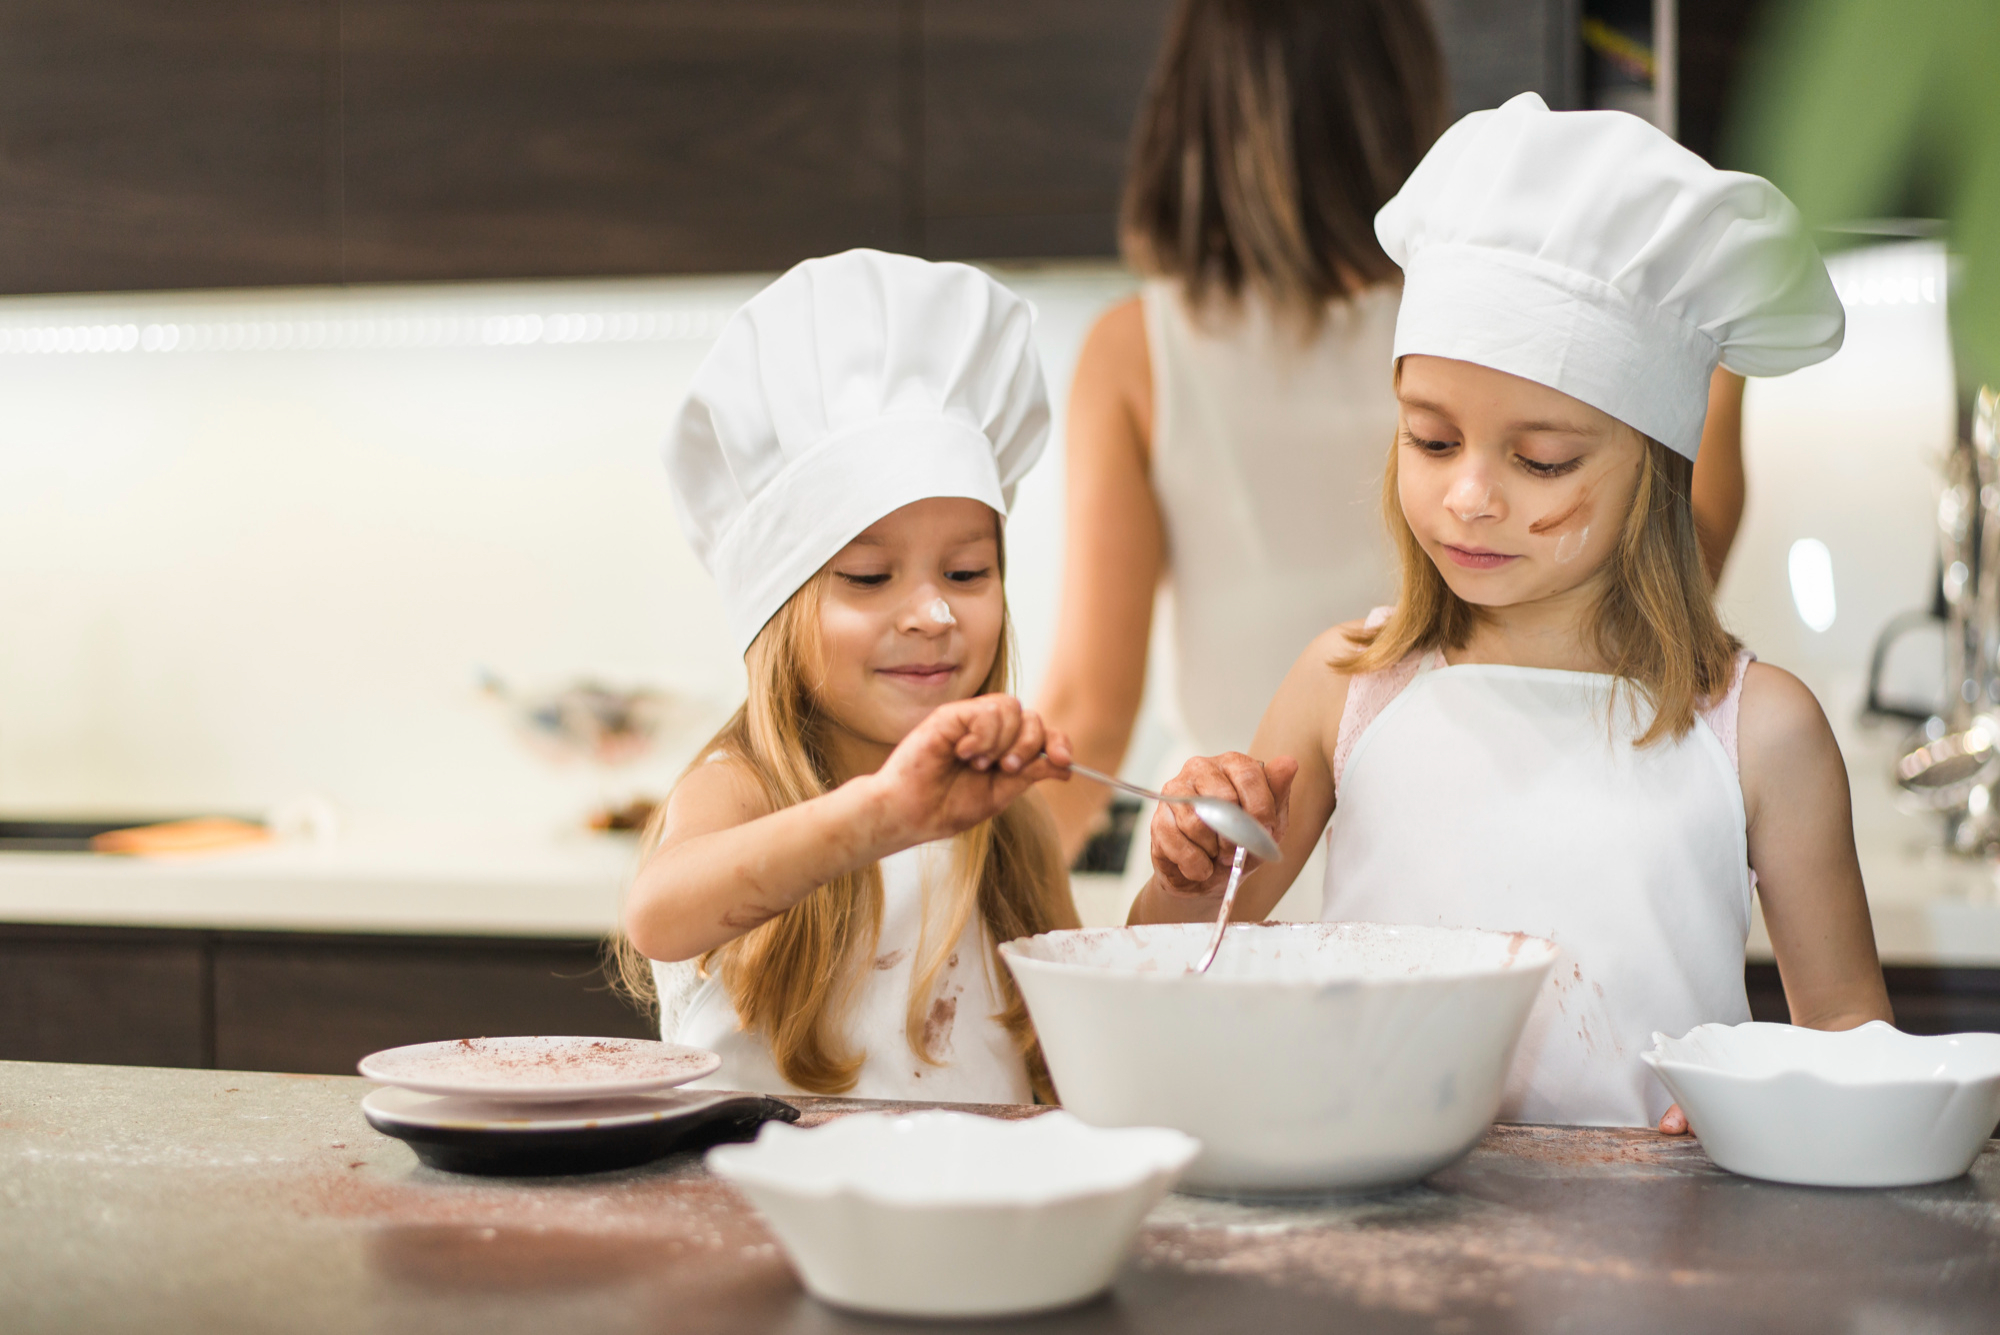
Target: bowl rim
[1662,1063]
[1011,951]
[736,1164]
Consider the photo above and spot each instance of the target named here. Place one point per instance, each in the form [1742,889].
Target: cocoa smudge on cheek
[1554,522]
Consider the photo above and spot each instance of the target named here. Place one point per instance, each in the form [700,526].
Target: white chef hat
[1587,251]
[852,386]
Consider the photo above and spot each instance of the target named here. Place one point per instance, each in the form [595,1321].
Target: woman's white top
[980,1061]
[1267,454]
[1512,798]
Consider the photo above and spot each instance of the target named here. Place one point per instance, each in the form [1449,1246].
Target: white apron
[981,1064]
[1511,798]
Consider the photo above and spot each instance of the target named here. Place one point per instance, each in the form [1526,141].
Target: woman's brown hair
[791,978]
[1270,133]
[1656,626]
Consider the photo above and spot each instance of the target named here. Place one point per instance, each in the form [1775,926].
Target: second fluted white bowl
[1866,1107]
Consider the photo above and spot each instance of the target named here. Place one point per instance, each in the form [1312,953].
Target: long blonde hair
[791,978]
[1655,624]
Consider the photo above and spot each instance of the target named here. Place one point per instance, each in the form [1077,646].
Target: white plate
[945,1214]
[445,1112]
[539,1069]
[1865,1107]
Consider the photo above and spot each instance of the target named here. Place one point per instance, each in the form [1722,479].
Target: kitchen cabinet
[551,138]
[147,145]
[220,143]
[1026,118]
[286,1001]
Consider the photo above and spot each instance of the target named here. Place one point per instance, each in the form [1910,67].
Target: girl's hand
[963,764]
[1187,854]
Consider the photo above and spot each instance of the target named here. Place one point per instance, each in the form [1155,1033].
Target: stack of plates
[554,1104]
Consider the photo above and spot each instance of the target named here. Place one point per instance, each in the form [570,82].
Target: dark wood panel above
[145,144]
[1027,118]
[568,137]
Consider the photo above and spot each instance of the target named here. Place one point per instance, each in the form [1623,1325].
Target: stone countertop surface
[164,1201]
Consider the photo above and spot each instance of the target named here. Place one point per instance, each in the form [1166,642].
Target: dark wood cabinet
[1027,113]
[283,1001]
[153,144]
[577,137]
[216,143]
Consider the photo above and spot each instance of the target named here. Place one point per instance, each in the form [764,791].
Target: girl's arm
[1286,782]
[727,862]
[1114,556]
[1802,847]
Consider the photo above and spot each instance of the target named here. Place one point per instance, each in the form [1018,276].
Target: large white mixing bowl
[1312,1058]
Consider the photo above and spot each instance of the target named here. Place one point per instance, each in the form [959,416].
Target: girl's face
[1516,491]
[911,617]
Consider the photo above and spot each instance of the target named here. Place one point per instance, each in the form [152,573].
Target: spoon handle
[1133,788]
[1222,919]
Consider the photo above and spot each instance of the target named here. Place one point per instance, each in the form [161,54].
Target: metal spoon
[1222,919]
[1227,819]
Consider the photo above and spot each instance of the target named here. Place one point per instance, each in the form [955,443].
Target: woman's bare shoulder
[1114,368]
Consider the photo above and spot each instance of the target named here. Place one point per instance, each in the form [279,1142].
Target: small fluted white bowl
[1312,1059]
[1866,1107]
[944,1214]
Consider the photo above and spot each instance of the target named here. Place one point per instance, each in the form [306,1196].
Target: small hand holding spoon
[1226,819]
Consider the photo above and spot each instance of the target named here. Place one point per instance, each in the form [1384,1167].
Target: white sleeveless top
[1267,459]
[1512,798]
[981,1063]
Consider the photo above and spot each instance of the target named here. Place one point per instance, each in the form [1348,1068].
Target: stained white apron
[1512,798]
[981,1064]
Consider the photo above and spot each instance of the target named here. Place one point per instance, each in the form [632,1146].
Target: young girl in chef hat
[836,869]
[1551,732]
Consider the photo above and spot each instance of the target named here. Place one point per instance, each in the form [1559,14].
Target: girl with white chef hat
[826,884]
[1550,732]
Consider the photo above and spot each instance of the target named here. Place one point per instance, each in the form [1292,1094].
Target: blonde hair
[1655,624]
[791,979]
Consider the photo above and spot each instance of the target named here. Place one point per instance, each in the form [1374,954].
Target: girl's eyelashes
[863,581]
[1542,469]
[968,576]
[1428,446]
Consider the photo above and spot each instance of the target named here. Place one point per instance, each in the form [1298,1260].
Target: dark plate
[545,1140]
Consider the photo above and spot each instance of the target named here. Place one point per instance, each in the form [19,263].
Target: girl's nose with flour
[1472,497]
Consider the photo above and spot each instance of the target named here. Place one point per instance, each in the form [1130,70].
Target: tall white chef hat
[1589,252]
[852,386]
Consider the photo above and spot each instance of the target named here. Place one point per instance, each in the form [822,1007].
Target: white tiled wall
[255,546]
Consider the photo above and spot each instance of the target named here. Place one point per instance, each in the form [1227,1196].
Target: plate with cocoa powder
[539,1068]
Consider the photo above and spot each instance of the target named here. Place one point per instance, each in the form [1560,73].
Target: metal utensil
[1227,819]
[1222,919]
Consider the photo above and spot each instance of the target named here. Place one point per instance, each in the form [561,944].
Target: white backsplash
[256,545]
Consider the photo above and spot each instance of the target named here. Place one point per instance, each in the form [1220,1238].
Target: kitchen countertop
[377,876]
[385,877]
[168,1201]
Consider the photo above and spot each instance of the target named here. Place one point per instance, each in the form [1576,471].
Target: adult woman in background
[1218,418]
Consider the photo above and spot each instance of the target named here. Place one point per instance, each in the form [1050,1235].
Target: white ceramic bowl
[945,1214]
[1867,1107]
[1312,1058]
